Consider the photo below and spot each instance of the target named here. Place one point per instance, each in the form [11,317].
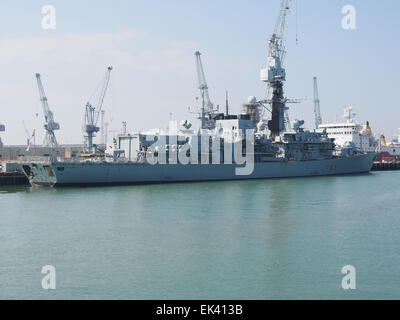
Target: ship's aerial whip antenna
[227,104]
[297,23]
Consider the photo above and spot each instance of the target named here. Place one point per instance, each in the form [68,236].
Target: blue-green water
[269,239]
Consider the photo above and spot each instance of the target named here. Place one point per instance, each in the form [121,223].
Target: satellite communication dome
[297,124]
[252,100]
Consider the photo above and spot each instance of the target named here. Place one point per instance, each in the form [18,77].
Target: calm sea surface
[271,239]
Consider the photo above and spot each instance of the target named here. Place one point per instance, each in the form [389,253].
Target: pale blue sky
[151,45]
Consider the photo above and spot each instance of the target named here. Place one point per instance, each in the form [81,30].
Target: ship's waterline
[103,173]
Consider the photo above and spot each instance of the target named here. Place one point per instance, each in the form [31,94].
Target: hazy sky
[151,46]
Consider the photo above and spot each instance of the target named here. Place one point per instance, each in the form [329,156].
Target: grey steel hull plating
[78,174]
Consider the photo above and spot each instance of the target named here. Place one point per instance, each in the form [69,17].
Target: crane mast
[207,110]
[50,125]
[93,112]
[28,135]
[274,74]
[2,129]
[102,127]
[317,107]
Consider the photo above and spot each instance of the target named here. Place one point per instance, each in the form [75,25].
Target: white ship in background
[347,133]
[350,132]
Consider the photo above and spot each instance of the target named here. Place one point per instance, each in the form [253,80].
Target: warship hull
[61,173]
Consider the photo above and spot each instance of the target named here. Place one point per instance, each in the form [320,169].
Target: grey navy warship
[259,143]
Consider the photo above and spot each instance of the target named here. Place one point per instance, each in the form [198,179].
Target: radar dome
[252,100]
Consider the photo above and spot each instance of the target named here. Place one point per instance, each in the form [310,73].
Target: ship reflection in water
[267,239]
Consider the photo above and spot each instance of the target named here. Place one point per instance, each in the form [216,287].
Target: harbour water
[271,239]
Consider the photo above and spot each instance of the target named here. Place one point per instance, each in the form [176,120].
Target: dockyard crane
[317,107]
[93,112]
[207,109]
[50,125]
[274,74]
[28,134]
[102,128]
[2,129]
